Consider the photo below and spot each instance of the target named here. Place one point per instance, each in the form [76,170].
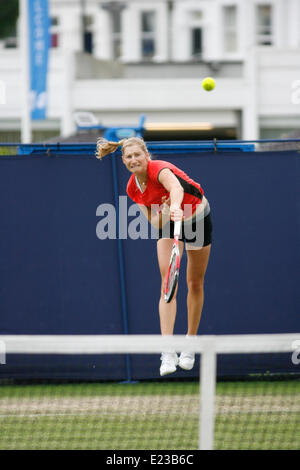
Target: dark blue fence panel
[57,277]
[55,273]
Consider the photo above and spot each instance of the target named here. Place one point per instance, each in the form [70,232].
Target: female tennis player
[166,194]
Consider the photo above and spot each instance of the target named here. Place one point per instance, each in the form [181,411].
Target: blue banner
[39,40]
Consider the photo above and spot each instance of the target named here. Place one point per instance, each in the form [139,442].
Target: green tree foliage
[9,11]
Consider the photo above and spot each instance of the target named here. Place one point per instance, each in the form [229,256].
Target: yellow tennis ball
[208,84]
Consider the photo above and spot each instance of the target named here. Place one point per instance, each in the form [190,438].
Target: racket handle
[177,228]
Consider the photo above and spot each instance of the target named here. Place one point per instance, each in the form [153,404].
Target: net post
[208,368]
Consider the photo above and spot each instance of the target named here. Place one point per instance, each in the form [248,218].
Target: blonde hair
[105,147]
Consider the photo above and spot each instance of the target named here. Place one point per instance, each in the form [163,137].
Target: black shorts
[196,232]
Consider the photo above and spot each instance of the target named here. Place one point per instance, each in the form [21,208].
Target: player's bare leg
[196,269]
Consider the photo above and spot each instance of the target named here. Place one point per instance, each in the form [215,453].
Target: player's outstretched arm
[172,185]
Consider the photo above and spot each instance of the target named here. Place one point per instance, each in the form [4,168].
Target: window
[116,30]
[54,36]
[88,34]
[264,27]
[114,9]
[196,33]
[148,19]
[196,42]
[11,41]
[230,28]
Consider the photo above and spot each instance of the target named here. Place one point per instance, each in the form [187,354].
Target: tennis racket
[174,265]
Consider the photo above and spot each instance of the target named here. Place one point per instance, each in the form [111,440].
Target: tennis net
[46,410]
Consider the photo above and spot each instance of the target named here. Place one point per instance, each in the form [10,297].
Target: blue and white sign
[39,40]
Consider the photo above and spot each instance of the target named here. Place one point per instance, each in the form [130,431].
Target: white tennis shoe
[169,362]
[186,360]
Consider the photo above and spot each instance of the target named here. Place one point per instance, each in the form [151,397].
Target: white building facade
[120,59]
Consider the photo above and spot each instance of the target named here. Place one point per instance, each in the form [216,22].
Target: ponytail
[104,147]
